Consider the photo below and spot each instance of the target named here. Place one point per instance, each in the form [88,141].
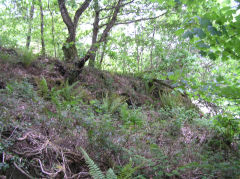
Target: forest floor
[139,128]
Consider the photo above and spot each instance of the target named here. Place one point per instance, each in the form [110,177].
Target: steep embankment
[136,127]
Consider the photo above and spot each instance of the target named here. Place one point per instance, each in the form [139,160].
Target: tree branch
[111,23]
[65,15]
[113,7]
[103,37]
[79,12]
[137,20]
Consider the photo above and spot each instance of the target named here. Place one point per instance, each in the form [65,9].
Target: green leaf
[220,78]
[214,31]
[202,45]
[199,32]
[179,32]
[188,34]
[204,22]
[212,56]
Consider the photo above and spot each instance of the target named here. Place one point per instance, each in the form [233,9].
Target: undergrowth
[123,141]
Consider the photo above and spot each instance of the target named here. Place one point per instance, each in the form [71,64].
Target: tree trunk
[103,52]
[95,34]
[29,35]
[69,47]
[70,50]
[42,29]
[152,47]
[137,49]
[103,38]
[53,31]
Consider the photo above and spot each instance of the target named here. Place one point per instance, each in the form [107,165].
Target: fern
[127,171]
[43,87]
[67,91]
[112,103]
[94,170]
[111,175]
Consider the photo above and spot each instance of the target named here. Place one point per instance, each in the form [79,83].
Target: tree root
[49,159]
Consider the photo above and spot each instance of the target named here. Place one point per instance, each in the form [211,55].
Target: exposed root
[49,159]
[22,171]
[48,173]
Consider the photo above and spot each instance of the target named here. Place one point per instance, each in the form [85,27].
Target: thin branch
[113,7]
[103,37]
[137,20]
[83,174]
[111,23]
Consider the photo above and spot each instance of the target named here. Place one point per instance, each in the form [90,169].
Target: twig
[3,157]
[64,166]
[12,133]
[79,175]
[24,137]
[22,171]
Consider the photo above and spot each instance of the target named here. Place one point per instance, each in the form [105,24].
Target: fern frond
[110,174]
[127,171]
[94,170]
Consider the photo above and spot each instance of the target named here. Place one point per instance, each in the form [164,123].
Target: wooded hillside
[120,89]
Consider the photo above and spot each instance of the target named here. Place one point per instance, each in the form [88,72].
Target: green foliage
[111,175]
[112,103]
[127,171]
[43,88]
[131,116]
[68,91]
[228,126]
[171,100]
[213,164]
[3,165]
[95,171]
[151,49]
[22,89]
[26,57]
[6,58]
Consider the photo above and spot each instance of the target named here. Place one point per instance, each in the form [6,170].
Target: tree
[30,26]
[69,47]
[42,29]
[105,18]
[53,30]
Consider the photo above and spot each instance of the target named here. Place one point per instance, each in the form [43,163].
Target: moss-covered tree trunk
[70,50]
